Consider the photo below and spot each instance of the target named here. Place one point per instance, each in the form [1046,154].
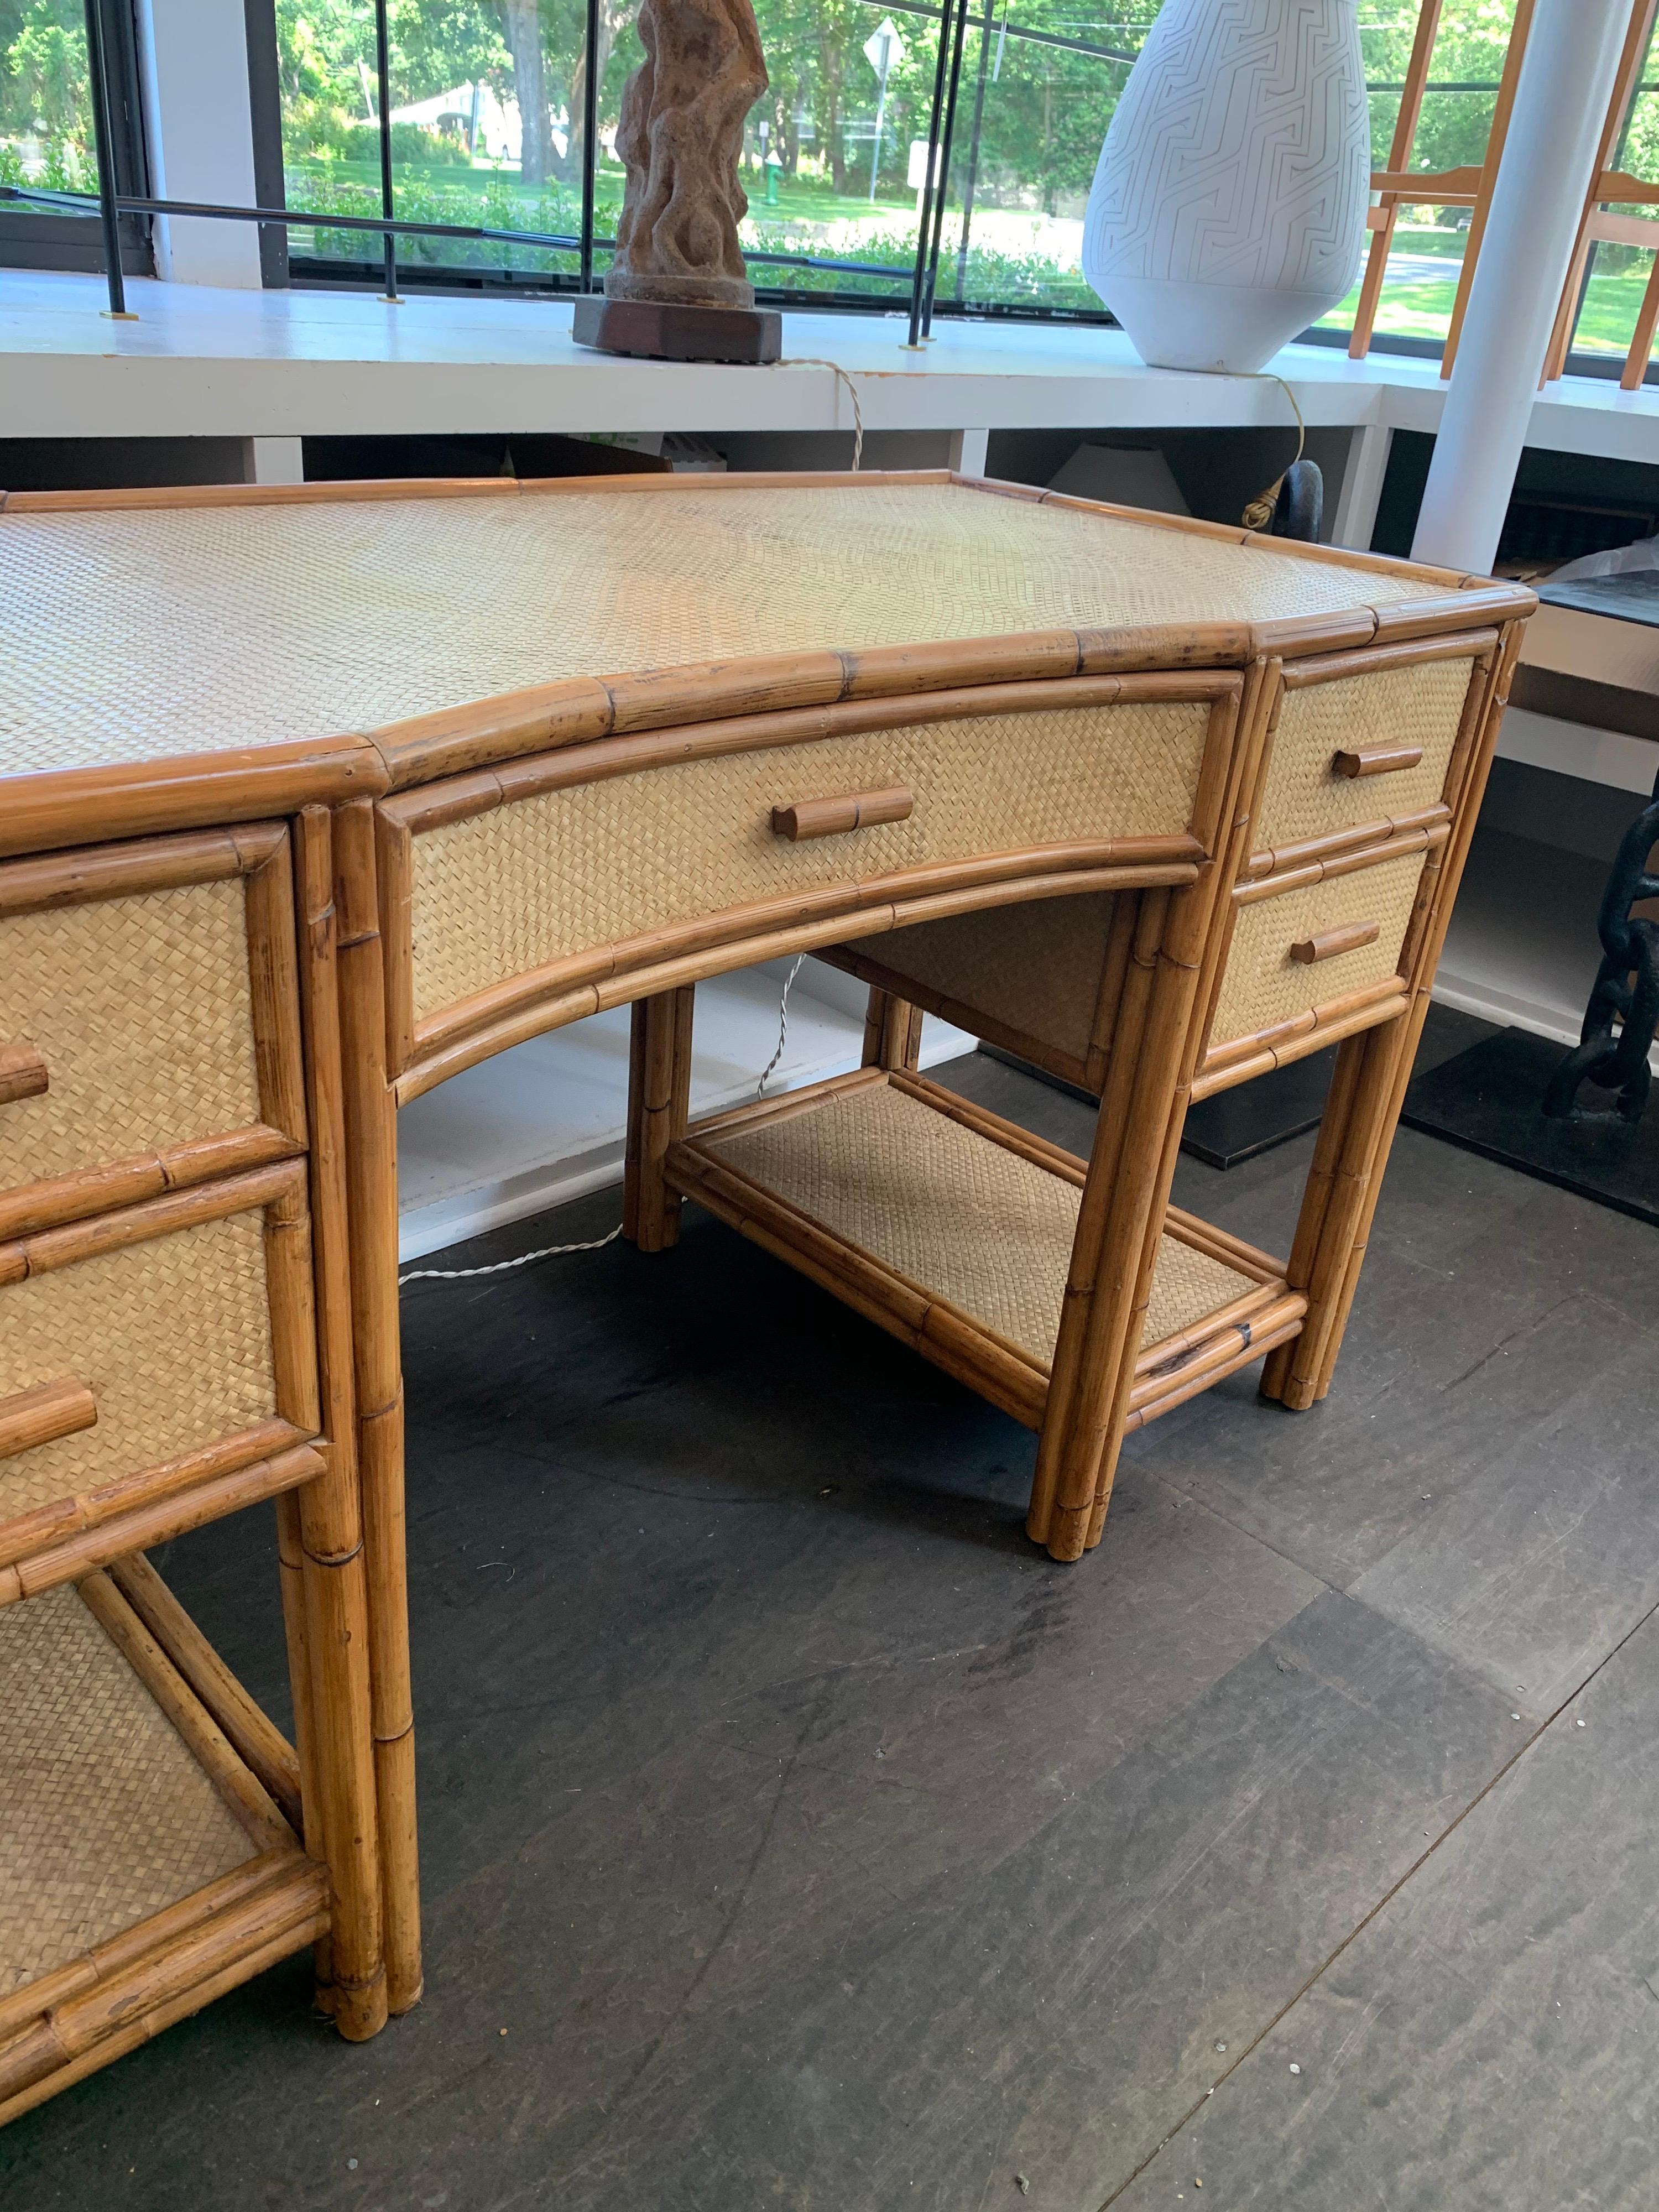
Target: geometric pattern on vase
[1238,159]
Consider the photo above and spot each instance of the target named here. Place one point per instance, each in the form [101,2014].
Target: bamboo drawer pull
[41,1416]
[830,818]
[1376,760]
[22,1073]
[1348,938]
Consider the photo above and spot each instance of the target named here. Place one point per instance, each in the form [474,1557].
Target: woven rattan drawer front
[130,1009]
[1264,984]
[188,1339]
[1417,707]
[539,879]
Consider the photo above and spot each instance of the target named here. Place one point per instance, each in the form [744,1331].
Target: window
[1619,268]
[47,141]
[1456,93]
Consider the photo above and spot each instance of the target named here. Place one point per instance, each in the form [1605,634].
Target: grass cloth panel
[1035,968]
[1263,984]
[140,1008]
[955,1212]
[105,1817]
[537,878]
[173,1337]
[325,618]
[1421,705]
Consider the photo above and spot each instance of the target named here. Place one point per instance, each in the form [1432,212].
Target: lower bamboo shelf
[953,1231]
[146,1865]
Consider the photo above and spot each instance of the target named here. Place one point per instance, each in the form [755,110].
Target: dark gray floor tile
[1054,2012]
[1488,2043]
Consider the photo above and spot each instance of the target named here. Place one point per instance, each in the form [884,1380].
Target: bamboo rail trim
[967,1237]
[158,1523]
[118,1796]
[257,1740]
[1126,861]
[142,1175]
[68,1517]
[41,1416]
[125,871]
[1463,645]
[122,1992]
[255,1879]
[1222,1073]
[831,818]
[56,807]
[27,1257]
[1427,839]
[1282,861]
[596,755]
[555,1011]
[1332,942]
[242,1792]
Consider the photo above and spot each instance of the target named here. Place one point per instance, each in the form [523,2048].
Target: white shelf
[1521,949]
[546,1122]
[1604,756]
[203,361]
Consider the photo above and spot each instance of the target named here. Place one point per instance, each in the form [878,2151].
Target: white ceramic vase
[1228,208]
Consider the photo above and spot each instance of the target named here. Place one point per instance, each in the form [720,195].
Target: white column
[199,130]
[273,460]
[967,451]
[1363,474]
[1560,104]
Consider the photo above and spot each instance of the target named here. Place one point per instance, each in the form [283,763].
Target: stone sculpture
[678,288]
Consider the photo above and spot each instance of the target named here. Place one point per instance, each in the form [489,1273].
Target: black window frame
[30,239]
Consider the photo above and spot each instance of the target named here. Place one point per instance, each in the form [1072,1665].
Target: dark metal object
[679,332]
[924,225]
[383,77]
[307,219]
[1626,988]
[958,30]
[972,179]
[104,141]
[590,150]
[1486,1100]
[1300,508]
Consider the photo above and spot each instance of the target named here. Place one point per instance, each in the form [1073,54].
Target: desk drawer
[1352,754]
[154,1347]
[149,1021]
[1297,951]
[563,878]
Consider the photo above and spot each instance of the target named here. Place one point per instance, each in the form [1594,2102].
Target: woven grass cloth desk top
[132,635]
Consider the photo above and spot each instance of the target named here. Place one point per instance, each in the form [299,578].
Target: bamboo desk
[316,796]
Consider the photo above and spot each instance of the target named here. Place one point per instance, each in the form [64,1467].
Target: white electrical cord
[599,1243]
[804,361]
[783,1025]
[547,1252]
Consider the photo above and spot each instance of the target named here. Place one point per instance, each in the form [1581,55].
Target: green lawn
[1417,301]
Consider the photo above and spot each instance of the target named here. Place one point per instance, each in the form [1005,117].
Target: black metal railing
[914,285]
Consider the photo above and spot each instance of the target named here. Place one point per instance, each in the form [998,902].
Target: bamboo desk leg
[371,1179]
[892,1032]
[332,1565]
[659,1107]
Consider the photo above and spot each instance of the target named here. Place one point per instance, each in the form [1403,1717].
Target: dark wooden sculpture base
[678,333]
